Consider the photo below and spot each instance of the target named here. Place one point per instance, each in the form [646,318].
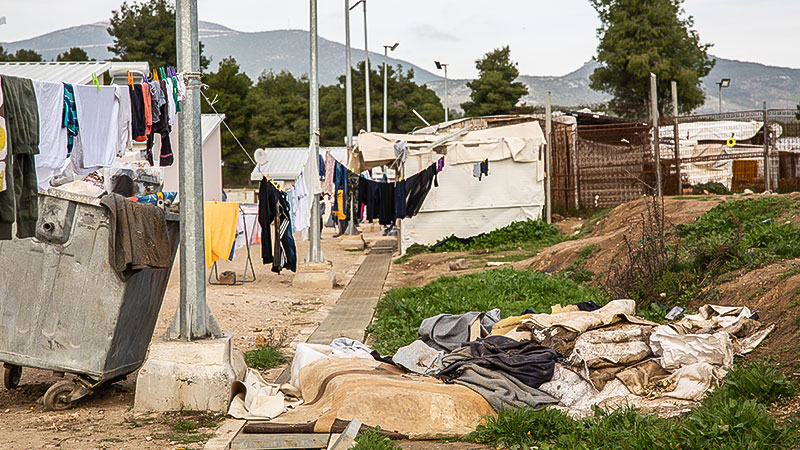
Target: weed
[264,357]
[588,225]
[522,427]
[414,249]
[711,187]
[400,312]
[576,271]
[530,235]
[758,381]
[373,440]
[187,438]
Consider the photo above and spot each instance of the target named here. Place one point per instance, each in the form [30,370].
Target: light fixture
[725,82]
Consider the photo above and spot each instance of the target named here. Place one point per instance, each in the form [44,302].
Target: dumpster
[64,308]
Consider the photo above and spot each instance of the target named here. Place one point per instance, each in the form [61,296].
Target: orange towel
[219,229]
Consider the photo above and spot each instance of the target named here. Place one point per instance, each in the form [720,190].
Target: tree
[74,54]
[146,32]
[22,55]
[228,88]
[404,96]
[494,91]
[637,38]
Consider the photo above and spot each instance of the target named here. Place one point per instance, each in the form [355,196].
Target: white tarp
[462,205]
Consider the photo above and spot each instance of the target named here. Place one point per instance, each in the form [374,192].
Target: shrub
[758,381]
[711,187]
[372,440]
[264,357]
[529,234]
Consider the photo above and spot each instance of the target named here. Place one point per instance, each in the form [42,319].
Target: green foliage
[529,234]
[400,312]
[279,105]
[495,91]
[74,54]
[730,418]
[404,95]
[264,357]
[228,88]
[412,250]
[576,271]
[372,440]
[758,381]
[637,38]
[22,55]
[145,31]
[711,187]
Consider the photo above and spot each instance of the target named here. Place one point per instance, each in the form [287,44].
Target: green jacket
[22,123]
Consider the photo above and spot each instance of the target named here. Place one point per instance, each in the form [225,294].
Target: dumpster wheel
[63,395]
[12,376]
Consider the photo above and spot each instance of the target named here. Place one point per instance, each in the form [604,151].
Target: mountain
[255,52]
[751,84]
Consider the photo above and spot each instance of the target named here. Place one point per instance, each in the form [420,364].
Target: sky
[546,37]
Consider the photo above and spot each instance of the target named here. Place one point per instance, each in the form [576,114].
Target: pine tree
[495,91]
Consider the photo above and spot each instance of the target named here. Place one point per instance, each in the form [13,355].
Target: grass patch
[726,419]
[372,440]
[591,221]
[400,312]
[187,438]
[576,271]
[264,357]
[414,249]
[712,187]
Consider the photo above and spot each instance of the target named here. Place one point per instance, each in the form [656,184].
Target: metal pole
[674,88]
[446,97]
[348,90]
[314,247]
[194,319]
[766,151]
[366,69]
[656,143]
[548,135]
[720,97]
[385,86]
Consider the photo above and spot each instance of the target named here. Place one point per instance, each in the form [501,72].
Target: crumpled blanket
[530,363]
[676,350]
[419,358]
[448,331]
[138,238]
[582,321]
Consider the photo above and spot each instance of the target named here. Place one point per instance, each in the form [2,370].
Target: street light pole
[193,319]
[386,49]
[348,92]
[725,82]
[314,248]
[440,66]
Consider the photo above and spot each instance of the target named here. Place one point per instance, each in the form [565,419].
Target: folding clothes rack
[248,263]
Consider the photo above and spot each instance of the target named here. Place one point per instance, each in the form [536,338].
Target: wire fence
[612,161]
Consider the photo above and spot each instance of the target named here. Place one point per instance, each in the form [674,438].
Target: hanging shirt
[387,209]
[418,187]
[219,229]
[400,199]
[148,110]
[98,114]
[52,136]
[330,167]
[302,204]
[157,97]
[125,142]
[70,117]
[175,94]
[168,93]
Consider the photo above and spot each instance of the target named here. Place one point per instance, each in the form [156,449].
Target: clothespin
[95,81]
[130,78]
[155,75]
[162,72]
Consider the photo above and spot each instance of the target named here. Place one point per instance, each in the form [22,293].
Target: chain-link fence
[613,161]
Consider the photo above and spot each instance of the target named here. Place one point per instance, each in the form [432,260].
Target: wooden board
[280,441]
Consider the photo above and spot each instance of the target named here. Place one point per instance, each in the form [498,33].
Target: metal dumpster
[62,306]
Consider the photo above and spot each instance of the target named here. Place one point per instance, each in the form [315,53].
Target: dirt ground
[105,420]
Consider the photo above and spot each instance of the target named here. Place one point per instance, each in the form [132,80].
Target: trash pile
[466,366]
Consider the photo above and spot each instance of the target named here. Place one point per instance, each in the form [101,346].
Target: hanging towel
[330,166]
[137,112]
[219,229]
[147,102]
[70,117]
[98,113]
[125,142]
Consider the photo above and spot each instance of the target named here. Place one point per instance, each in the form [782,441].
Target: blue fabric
[69,118]
[321,163]
[400,199]
[340,183]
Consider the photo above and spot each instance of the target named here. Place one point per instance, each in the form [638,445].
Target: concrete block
[352,242]
[314,276]
[194,375]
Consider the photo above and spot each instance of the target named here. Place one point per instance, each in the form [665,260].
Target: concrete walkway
[349,317]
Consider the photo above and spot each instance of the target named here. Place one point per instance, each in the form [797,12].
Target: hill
[278,50]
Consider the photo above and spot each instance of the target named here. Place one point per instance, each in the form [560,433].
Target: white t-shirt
[52,135]
[301,204]
[170,102]
[124,125]
[98,118]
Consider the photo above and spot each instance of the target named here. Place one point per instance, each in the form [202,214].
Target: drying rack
[248,263]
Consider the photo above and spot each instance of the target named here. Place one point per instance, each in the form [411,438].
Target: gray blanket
[448,331]
[138,238]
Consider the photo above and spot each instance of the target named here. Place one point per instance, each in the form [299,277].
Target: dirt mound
[606,237]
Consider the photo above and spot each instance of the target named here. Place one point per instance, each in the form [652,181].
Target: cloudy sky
[546,37]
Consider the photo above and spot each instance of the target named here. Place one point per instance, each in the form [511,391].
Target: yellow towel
[219,229]
[340,214]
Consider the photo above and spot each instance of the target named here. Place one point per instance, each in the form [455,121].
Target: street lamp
[366,64]
[348,98]
[725,82]
[386,49]
[446,103]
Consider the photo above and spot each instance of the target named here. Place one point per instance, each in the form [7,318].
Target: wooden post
[548,135]
[654,122]
[676,135]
